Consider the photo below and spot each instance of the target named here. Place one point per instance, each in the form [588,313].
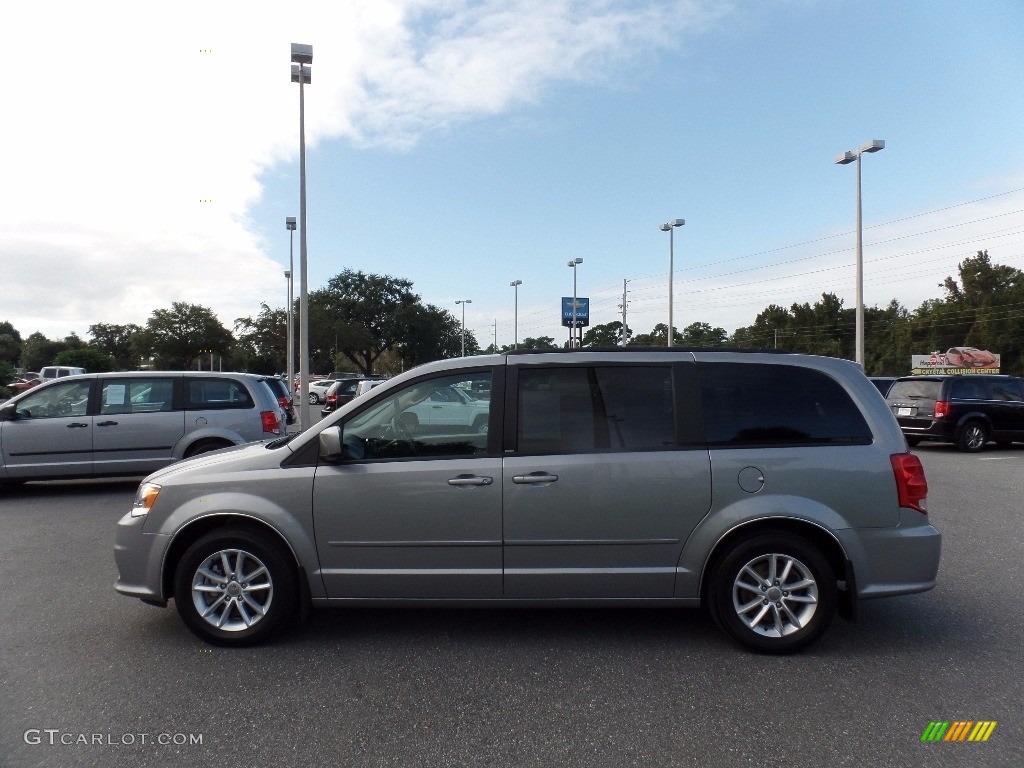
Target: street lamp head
[845,158]
[514,283]
[302,54]
[669,224]
[574,262]
[464,301]
[289,223]
[872,146]
[288,275]
[301,73]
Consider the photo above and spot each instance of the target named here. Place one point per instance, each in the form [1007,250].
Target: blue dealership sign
[582,312]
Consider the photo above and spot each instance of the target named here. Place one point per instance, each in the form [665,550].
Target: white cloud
[124,118]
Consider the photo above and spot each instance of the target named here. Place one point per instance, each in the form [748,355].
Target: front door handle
[534,478]
[470,480]
[106,423]
[77,425]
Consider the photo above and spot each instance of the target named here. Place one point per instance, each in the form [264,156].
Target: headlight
[145,499]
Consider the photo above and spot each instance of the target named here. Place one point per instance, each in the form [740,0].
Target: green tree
[118,341]
[703,335]
[10,344]
[93,360]
[606,335]
[175,337]
[541,342]
[38,351]
[658,337]
[432,333]
[262,342]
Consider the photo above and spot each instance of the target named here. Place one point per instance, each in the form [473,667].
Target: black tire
[205,446]
[752,613]
[273,587]
[913,442]
[972,438]
[480,424]
[314,398]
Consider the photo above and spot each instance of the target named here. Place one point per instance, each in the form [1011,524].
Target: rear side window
[967,389]
[1005,390]
[136,396]
[213,394]
[584,410]
[747,404]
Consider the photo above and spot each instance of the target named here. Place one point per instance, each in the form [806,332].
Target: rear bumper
[894,561]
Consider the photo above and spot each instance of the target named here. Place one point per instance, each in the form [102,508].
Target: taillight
[911,485]
[284,401]
[270,422]
[332,398]
[941,409]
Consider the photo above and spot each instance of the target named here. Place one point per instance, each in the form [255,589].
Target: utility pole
[623,306]
[495,335]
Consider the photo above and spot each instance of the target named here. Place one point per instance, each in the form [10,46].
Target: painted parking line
[998,458]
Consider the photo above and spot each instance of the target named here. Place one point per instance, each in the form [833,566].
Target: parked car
[108,424]
[48,372]
[280,389]
[882,383]
[339,394]
[22,383]
[968,410]
[365,385]
[775,489]
[318,390]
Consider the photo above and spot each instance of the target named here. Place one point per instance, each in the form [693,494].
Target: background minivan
[107,424]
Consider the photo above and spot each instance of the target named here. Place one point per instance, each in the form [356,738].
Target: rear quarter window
[216,394]
[748,404]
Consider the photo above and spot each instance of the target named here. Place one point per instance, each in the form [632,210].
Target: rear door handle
[470,480]
[106,423]
[534,478]
[76,425]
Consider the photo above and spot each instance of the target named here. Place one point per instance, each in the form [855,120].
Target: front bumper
[139,558]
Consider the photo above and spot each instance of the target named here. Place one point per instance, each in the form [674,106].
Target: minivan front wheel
[774,593]
[973,437]
[235,586]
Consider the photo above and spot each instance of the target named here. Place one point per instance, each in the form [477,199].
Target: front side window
[211,394]
[602,408]
[428,419]
[65,399]
[748,404]
[136,396]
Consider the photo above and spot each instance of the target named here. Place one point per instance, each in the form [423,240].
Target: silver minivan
[775,489]
[108,424]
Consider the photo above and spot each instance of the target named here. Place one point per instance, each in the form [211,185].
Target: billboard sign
[956,360]
[582,312]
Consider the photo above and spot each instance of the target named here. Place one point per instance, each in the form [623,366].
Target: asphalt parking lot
[93,678]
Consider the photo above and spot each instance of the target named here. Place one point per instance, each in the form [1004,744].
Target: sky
[150,154]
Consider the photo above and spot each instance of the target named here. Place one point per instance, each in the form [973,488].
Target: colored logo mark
[958,730]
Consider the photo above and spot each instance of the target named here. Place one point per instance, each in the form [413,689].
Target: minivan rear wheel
[774,593]
[973,437]
[235,586]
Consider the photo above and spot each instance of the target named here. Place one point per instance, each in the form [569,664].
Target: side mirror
[8,412]
[330,444]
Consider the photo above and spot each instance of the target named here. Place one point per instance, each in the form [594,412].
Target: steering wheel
[397,433]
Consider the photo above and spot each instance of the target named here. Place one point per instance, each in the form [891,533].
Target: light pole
[464,302]
[573,333]
[844,159]
[302,55]
[515,314]
[669,226]
[289,223]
